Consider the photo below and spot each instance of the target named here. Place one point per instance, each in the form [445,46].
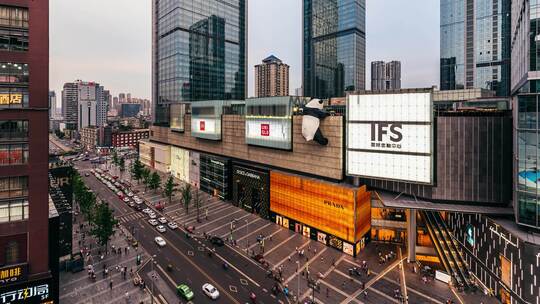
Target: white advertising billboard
[390,136]
[206,119]
[269,121]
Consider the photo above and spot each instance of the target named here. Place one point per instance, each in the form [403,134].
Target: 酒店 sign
[390,136]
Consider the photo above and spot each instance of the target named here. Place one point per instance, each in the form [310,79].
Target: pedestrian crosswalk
[130,217]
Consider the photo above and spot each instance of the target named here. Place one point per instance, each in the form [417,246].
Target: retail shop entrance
[251,190]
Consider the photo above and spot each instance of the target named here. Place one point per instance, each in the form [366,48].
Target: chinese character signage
[13,274]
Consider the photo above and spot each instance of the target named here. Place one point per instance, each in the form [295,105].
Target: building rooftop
[272,59]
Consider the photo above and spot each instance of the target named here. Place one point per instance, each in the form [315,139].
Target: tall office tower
[122,98]
[385,76]
[128,97]
[207,38]
[107,98]
[52,104]
[271,78]
[475,45]
[70,107]
[92,107]
[334,59]
[24,204]
[526,100]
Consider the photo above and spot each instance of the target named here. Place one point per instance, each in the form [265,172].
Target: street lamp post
[152,297]
[247,238]
[298,276]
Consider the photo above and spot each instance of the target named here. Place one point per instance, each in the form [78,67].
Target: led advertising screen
[269,121]
[177,117]
[206,119]
[390,136]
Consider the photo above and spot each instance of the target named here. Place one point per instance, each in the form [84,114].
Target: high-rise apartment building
[70,105]
[52,104]
[24,204]
[475,45]
[271,78]
[207,40]
[526,99]
[334,51]
[385,76]
[84,104]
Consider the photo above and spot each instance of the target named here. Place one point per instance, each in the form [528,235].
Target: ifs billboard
[390,136]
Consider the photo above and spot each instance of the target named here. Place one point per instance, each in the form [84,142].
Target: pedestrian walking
[110,285]
[365,294]
[327,292]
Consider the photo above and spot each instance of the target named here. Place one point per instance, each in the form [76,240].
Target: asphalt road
[189,257]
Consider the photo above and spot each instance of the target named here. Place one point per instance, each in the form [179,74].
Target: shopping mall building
[425,169]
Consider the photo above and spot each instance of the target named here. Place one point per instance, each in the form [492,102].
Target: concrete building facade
[271,78]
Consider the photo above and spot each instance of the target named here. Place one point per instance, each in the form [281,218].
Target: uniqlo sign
[265,130]
[201,125]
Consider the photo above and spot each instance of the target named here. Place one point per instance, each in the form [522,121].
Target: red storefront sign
[201,125]
[265,130]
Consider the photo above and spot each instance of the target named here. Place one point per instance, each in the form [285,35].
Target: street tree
[169,188]
[154,181]
[103,224]
[198,204]
[145,174]
[137,170]
[115,158]
[186,197]
[122,166]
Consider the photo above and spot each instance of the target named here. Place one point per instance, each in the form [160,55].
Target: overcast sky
[109,41]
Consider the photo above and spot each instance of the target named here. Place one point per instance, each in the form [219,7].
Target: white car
[160,241]
[147,210]
[152,222]
[152,215]
[162,220]
[161,228]
[172,225]
[126,199]
[210,291]
[130,194]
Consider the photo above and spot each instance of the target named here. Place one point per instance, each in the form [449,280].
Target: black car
[139,207]
[217,241]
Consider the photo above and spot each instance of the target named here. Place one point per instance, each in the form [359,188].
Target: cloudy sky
[112,46]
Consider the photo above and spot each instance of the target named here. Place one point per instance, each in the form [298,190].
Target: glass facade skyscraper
[475,45]
[198,52]
[526,99]
[334,47]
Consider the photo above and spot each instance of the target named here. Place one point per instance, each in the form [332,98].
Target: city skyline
[127,39]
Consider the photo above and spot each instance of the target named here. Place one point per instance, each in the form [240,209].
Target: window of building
[12,252]
[14,210]
[13,187]
[13,28]
[13,154]
[14,72]
[13,130]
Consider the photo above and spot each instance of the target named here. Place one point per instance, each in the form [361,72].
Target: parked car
[162,220]
[147,210]
[161,228]
[152,222]
[172,225]
[152,215]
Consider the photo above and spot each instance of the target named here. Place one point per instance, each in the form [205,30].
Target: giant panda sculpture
[312,114]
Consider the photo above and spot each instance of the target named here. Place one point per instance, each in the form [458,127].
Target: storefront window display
[215,175]
[251,190]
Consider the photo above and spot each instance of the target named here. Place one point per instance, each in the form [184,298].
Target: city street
[282,249]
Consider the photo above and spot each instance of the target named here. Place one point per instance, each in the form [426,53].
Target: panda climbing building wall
[313,113]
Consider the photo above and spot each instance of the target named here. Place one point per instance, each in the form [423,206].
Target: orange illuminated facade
[335,214]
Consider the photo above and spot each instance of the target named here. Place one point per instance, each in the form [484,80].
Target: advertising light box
[390,136]
[206,119]
[269,121]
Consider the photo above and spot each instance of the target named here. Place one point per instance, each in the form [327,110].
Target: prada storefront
[215,175]
[251,190]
